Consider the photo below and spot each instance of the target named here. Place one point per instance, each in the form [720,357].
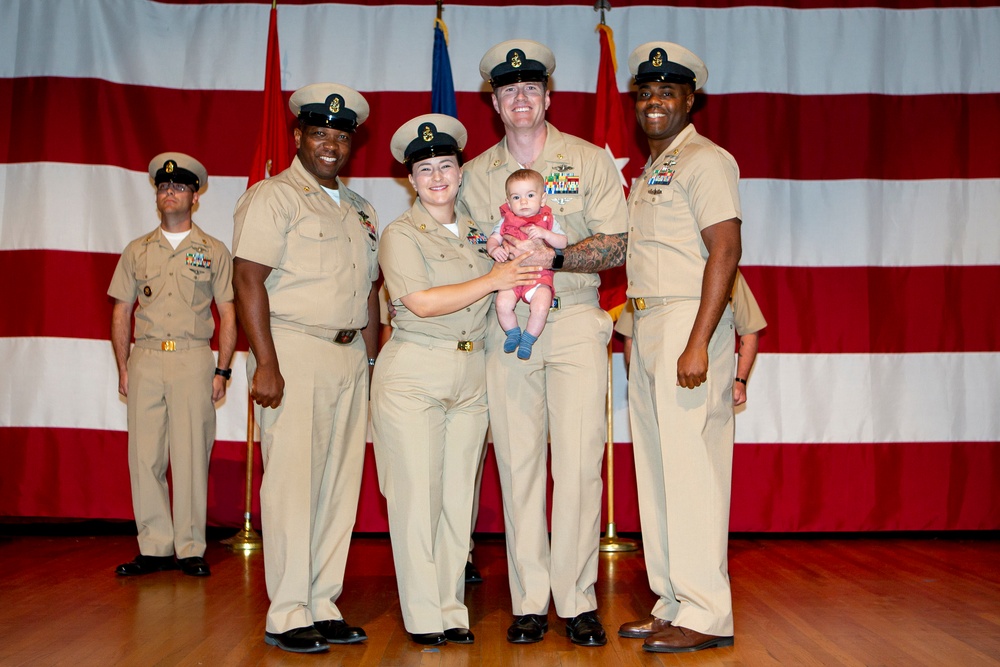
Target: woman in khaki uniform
[428,401]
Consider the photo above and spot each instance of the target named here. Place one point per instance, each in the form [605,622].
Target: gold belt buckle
[466,345]
[168,346]
[639,303]
[346,336]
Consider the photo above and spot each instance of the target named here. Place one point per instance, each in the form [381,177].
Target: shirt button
[321,234]
[442,256]
[470,266]
[463,332]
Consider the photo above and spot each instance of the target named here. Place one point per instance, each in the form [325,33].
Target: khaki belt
[339,336]
[169,345]
[646,302]
[438,343]
[586,295]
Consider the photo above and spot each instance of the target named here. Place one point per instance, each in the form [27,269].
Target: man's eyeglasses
[178,188]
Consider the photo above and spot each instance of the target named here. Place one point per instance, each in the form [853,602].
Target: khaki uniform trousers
[682,440]
[428,423]
[313,448]
[560,391]
[171,420]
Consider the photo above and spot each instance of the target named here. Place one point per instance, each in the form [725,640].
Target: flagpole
[247,539]
[611,542]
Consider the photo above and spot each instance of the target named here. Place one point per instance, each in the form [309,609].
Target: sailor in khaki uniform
[305,251]
[558,393]
[171,379]
[429,412]
[683,250]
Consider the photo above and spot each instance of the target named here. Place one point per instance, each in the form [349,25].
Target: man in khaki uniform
[305,253]
[748,320]
[171,379]
[560,391]
[683,250]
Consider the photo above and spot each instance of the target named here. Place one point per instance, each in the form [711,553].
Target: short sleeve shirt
[174,287]
[323,255]
[582,185]
[689,187]
[418,253]
[747,315]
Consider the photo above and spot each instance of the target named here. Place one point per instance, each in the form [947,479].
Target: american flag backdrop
[868,139]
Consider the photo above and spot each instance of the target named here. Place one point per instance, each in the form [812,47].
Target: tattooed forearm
[597,253]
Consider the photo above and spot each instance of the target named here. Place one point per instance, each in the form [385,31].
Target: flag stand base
[612,543]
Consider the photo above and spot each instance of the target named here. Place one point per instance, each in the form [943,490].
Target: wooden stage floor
[827,600]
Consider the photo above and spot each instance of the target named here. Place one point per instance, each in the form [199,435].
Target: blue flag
[442,86]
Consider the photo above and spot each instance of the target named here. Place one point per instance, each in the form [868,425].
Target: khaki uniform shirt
[418,253]
[323,255]
[583,189]
[175,287]
[692,185]
[747,315]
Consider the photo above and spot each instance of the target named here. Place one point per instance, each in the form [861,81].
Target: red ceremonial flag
[274,150]
[611,132]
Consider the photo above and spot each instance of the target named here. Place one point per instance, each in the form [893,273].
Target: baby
[525,216]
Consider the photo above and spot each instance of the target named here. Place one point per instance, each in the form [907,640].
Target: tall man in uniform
[171,379]
[305,253]
[559,392]
[683,249]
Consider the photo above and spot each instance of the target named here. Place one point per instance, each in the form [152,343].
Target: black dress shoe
[527,629]
[459,636]
[586,630]
[146,565]
[428,638]
[472,575]
[339,632]
[298,640]
[194,566]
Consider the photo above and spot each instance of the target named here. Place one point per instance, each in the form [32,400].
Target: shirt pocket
[149,281]
[195,285]
[312,246]
[568,212]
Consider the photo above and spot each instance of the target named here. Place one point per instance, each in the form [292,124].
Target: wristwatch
[228,373]
[557,261]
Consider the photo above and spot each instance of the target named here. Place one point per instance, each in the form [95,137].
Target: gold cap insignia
[657,60]
[335,105]
[169,168]
[427,134]
[515,61]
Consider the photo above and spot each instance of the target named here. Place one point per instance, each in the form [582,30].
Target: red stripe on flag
[851,309]
[80,473]
[73,287]
[771,135]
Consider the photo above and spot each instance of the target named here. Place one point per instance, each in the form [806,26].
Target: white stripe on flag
[788,223]
[822,51]
[793,398]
